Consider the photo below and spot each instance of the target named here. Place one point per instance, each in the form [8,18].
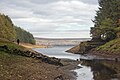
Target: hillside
[10,32]
[60,41]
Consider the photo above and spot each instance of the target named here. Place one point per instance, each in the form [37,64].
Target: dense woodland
[24,36]
[107,21]
[11,32]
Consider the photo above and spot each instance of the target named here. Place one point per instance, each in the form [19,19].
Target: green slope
[11,32]
[111,46]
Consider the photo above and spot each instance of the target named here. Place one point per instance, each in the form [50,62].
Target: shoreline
[30,46]
[69,66]
[66,71]
[99,54]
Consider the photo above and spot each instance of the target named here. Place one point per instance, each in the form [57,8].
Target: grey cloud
[50,1]
[90,1]
[60,31]
[43,1]
[51,15]
[62,34]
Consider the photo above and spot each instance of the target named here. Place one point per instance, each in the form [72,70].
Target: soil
[15,67]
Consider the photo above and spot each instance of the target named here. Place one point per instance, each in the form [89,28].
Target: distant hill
[63,38]
[60,41]
[11,32]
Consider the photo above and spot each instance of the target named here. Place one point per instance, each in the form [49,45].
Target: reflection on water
[91,69]
[98,70]
[84,73]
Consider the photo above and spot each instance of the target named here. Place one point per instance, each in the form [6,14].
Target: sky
[52,18]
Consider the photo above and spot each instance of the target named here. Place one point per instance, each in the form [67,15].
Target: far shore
[27,45]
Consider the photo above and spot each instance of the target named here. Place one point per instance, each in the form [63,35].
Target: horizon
[58,38]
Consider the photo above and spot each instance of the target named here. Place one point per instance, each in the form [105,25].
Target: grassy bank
[111,46]
[110,49]
[11,45]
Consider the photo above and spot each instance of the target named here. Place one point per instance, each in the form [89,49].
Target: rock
[4,48]
[60,77]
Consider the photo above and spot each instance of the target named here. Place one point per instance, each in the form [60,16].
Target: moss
[113,45]
[6,57]
[11,45]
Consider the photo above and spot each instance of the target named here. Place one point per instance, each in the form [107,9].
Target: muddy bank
[15,67]
[105,54]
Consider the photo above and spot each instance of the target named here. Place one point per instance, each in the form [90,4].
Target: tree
[12,33]
[24,36]
[7,29]
[106,20]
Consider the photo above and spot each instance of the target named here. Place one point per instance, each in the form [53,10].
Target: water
[99,70]
[58,52]
[91,70]
[84,73]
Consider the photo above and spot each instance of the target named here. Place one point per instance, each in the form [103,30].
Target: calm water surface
[91,70]
[58,52]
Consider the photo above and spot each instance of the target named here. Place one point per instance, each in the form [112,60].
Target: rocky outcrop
[74,49]
[85,47]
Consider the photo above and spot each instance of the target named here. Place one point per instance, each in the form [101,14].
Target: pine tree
[106,20]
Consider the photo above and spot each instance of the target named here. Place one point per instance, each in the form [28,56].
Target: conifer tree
[106,20]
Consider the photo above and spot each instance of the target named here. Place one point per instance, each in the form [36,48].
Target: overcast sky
[52,18]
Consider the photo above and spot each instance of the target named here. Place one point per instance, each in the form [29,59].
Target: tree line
[11,32]
[107,20]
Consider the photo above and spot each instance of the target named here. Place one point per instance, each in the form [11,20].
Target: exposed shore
[22,68]
[27,45]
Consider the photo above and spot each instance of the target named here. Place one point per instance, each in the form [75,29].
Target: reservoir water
[58,52]
[91,70]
